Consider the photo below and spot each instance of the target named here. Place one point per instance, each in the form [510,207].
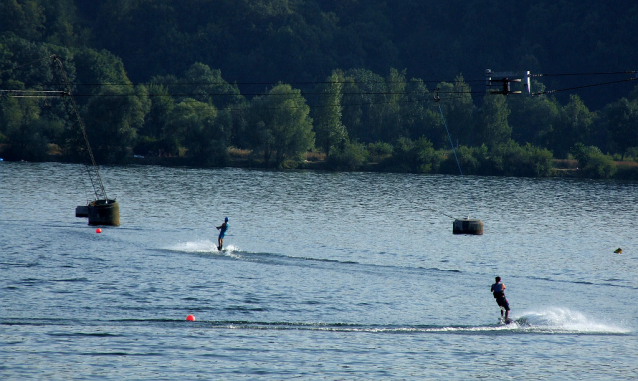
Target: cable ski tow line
[438,211]
[93,172]
[585,86]
[463,180]
[457,158]
[467,191]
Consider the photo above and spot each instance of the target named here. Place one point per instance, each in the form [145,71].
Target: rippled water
[324,276]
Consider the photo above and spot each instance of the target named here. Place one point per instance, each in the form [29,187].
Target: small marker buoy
[190,318]
[98,230]
[618,251]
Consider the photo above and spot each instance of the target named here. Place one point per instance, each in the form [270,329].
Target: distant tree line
[359,118]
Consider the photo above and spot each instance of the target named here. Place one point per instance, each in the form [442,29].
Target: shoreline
[562,168]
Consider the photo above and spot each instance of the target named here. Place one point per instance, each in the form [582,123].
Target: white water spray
[563,319]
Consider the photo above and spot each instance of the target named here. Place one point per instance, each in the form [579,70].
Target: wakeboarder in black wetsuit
[498,289]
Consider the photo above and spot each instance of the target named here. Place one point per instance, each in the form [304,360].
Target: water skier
[222,232]
[498,289]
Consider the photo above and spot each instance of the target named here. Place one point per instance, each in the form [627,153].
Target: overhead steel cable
[583,74]
[585,86]
[408,81]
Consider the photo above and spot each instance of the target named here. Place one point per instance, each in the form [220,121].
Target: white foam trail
[202,246]
[563,319]
[231,248]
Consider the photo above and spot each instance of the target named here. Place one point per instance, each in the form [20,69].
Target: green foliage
[379,151]
[349,158]
[363,96]
[207,85]
[532,118]
[24,130]
[329,130]
[205,131]
[179,50]
[510,159]
[282,124]
[632,153]
[622,123]
[507,159]
[97,69]
[492,127]
[417,115]
[592,162]
[458,107]
[154,133]
[470,159]
[25,18]
[599,166]
[573,125]
[112,119]
[414,156]
[15,51]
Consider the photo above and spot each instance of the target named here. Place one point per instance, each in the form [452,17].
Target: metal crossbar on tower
[504,79]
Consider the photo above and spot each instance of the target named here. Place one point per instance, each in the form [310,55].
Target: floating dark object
[104,212]
[618,251]
[467,226]
[100,212]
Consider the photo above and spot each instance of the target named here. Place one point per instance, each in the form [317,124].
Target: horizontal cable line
[582,74]
[250,94]
[262,94]
[342,105]
[410,81]
[585,86]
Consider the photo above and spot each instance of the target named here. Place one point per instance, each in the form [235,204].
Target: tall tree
[283,123]
[458,107]
[205,135]
[25,18]
[622,123]
[207,85]
[363,102]
[492,127]
[330,131]
[572,126]
[418,115]
[24,131]
[112,119]
[532,118]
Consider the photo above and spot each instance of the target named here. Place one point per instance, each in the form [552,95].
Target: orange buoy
[190,318]
[98,230]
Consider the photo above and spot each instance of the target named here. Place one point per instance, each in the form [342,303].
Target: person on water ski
[222,232]
[498,289]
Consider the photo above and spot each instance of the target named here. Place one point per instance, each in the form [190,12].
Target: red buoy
[190,318]
[98,230]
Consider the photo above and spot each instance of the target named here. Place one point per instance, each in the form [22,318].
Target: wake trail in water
[563,320]
[201,246]
[234,252]
[549,321]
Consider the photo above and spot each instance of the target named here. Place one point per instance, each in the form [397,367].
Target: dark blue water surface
[324,276]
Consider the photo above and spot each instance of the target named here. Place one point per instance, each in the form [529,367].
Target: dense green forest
[368,85]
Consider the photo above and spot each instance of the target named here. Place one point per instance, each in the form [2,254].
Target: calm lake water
[324,276]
